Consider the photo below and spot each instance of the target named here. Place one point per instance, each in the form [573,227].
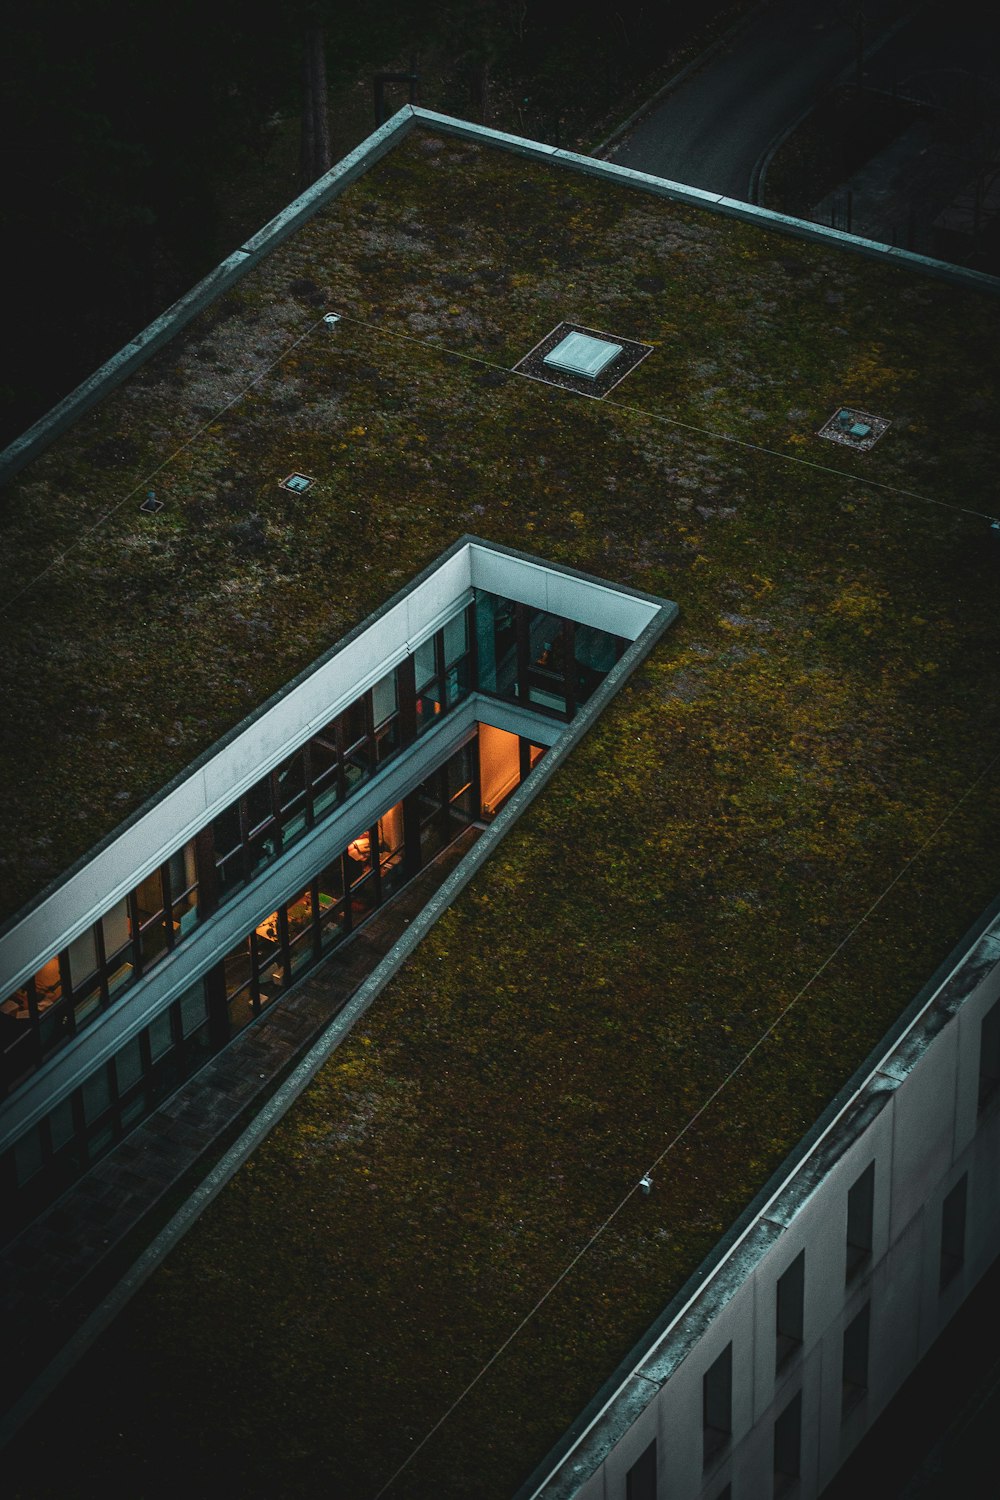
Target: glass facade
[494,645]
[548,663]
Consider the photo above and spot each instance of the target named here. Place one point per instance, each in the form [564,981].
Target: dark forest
[143,142]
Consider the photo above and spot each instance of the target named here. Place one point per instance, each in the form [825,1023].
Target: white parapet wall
[915,1115]
[298,711]
[257,746]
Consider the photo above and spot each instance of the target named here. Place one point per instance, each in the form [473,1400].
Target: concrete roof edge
[699,198]
[575,1452]
[135,353]
[354,165]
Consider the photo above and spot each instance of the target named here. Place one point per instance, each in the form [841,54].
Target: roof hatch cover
[582,359]
[582,354]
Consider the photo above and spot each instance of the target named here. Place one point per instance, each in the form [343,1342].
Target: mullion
[244,848]
[101,953]
[521,626]
[168,906]
[276,813]
[569,674]
[135,940]
[339,740]
[307,784]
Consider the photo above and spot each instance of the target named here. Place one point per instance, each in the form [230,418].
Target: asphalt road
[712,129]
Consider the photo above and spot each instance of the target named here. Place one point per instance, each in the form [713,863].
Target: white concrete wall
[916,1116]
[364,657]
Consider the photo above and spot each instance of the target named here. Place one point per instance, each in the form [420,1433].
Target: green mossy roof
[819,724]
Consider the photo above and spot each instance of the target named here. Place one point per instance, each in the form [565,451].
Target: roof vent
[582,359]
[151,505]
[331,318]
[297,483]
[855,429]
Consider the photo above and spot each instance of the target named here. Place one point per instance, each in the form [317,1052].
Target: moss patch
[801,739]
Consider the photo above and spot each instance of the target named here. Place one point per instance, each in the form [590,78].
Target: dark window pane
[385,699]
[128,1066]
[855,1359]
[96,1095]
[226,831]
[788,1446]
[640,1481]
[271,974]
[152,923]
[86,1005]
[496,644]
[860,1220]
[331,883]
[183,891]
[62,1127]
[193,1010]
[291,781]
[242,1009]
[953,1232]
[789,1315]
[457,683]
[116,927]
[456,638]
[325,772]
[717,1404]
[149,896]
[18,1045]
[263,849]
[161,1037]
[425,663]
[292,797]
[29,1156]
[259,806]
[332,925]
[299,914]
[594,653]
[237,967]
[54,1029]
[300,950]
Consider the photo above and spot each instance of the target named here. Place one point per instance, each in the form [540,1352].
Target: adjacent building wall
[916,1116]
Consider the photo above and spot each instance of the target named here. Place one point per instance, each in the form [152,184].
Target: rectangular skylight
[581,354]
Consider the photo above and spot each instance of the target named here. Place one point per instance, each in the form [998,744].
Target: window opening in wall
[854,1378]
[500,647]
[256,971]
[860,1221]
[989,1056]
[953,1232]
[788,1446]
[717,1406]
[789,1311]
[640,1481]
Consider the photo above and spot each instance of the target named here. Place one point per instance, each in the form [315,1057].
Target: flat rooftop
[735,884]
